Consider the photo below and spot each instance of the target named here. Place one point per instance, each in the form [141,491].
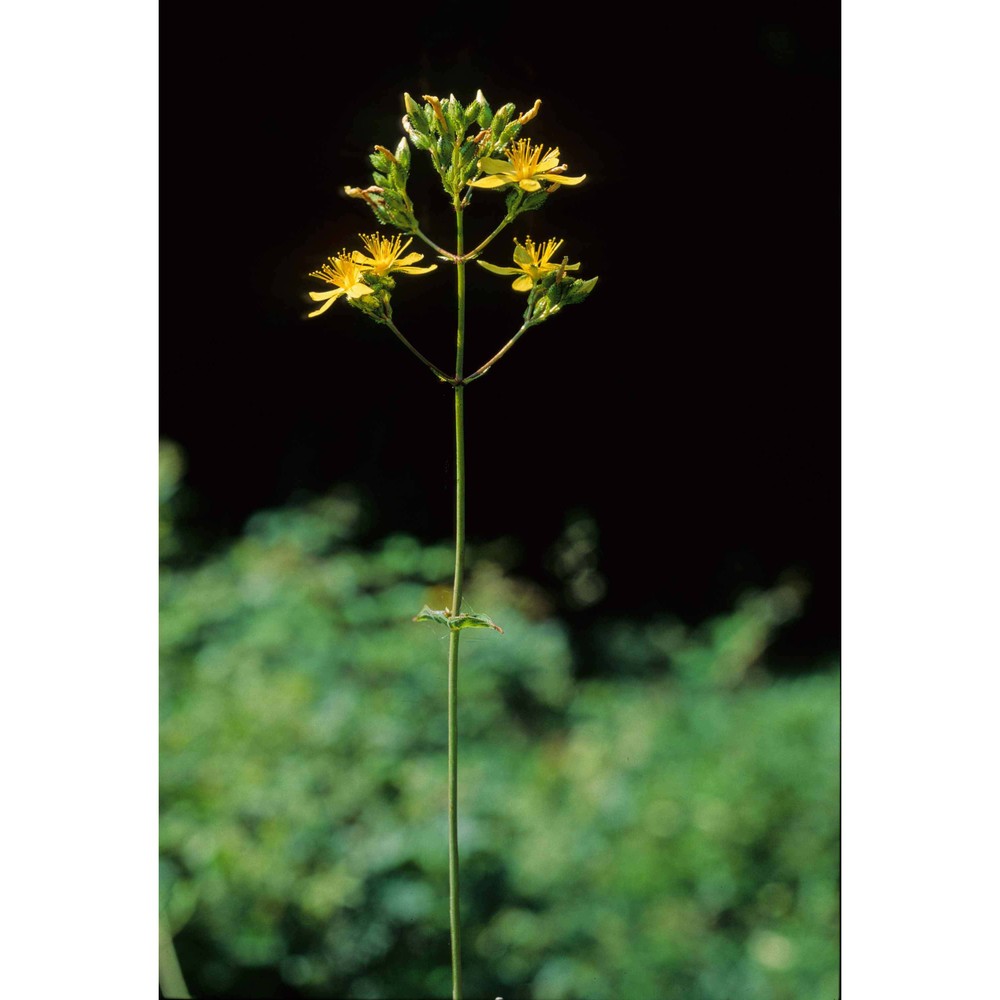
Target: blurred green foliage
[668,835]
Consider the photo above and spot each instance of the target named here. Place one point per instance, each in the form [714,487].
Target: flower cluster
[347,271]
[532,262]
[526,167]
[472,148]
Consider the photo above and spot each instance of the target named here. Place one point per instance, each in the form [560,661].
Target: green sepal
[473,110]
[468,152]
[552,292]
[515,196]
[485,115]
[509,133]
[454,116]
[419,139]
[500,120]
[578,291]
[443,158]
[380,179]
[533,201]
[456,622]
[403,154]
[379,161]
[393,208]
[399,211]
[397,176]
[376,306]
[419,118]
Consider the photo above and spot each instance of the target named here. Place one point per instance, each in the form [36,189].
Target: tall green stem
[456,608]
[171,977]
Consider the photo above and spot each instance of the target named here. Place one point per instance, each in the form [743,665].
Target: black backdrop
[691,406]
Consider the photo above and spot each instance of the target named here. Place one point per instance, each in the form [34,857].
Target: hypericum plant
[471,148]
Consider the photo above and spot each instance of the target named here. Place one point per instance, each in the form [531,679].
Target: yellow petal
[491,166]
[523,284]
[550,161]
[528,115]
[417,270]
[492,182]
[356,291]
[410,258]
[498,270]
[333,296]
[522,255]
[561,178]
[529,184]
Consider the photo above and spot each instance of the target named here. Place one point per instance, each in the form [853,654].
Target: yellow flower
[384,256]
[532,262]
[344,274]
[525,167]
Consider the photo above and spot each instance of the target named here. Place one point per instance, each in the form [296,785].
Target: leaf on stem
[456,622]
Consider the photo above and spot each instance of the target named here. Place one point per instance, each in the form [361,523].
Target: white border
[920,655]
[78,360]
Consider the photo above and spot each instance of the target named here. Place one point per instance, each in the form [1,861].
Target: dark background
[690,407]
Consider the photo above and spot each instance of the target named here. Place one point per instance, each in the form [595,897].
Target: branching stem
[480,372]
[456,607]
[439,250]
[433,367]
[472,254]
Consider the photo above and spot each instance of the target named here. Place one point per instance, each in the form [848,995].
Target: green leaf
[430,615]
[473,621]
[456,622]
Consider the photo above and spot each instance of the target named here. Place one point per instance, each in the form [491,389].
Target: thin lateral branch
[473,254]
[480,372]
[439,250]
[430,364]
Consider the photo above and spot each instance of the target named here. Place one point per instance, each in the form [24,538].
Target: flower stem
[472,254]
[171,977]
[480,372]
[440,250]
[456,606]
[433,367]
